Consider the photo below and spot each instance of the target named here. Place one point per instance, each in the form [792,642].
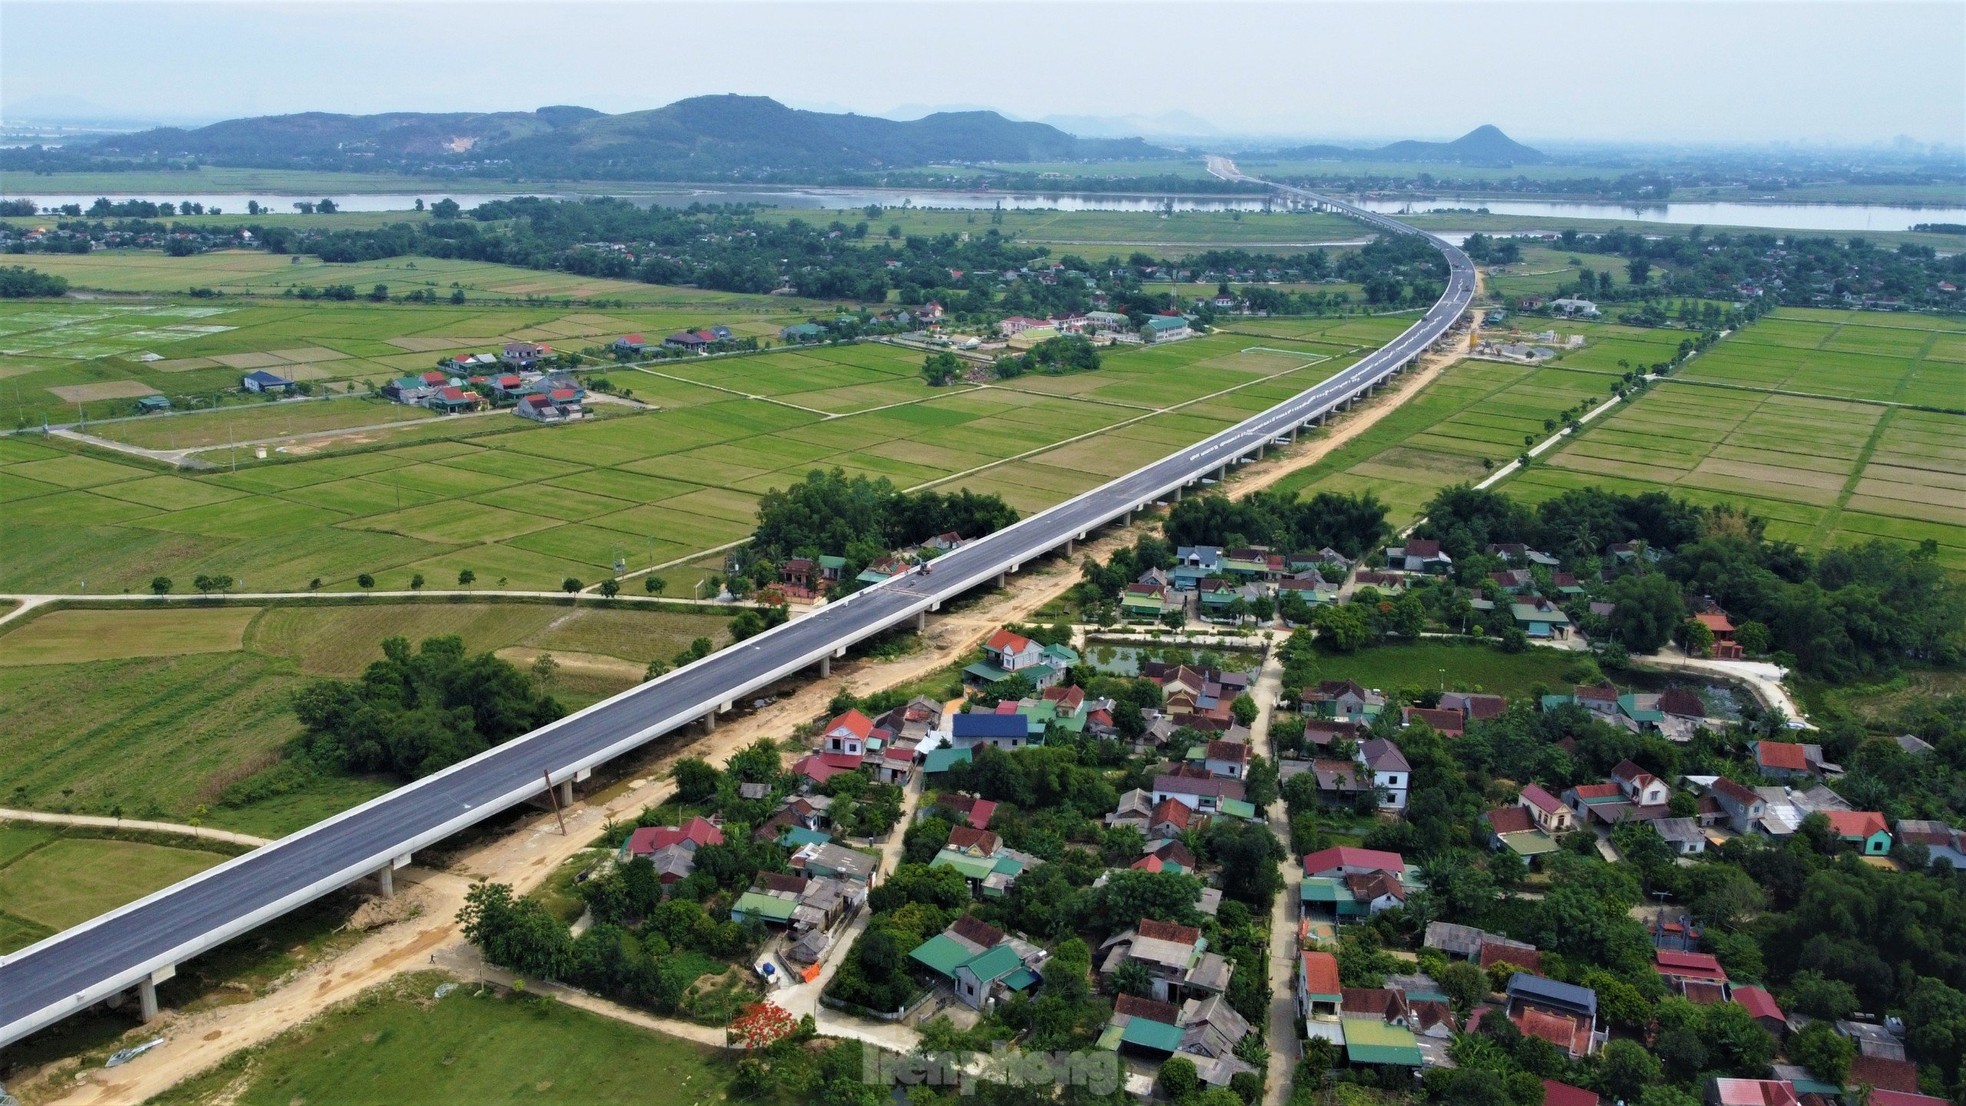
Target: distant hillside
[1485,145]
[707,136]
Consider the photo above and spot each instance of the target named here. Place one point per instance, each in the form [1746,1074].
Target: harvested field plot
[68,637]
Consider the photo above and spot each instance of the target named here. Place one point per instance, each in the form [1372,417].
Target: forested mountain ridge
[703,136]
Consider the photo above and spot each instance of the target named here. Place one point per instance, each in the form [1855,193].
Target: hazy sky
[1577,69]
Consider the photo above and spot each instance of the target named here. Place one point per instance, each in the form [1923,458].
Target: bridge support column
[1126,519]
[147,1000]
[921,621]
[385,881]
[710,722]
[1221,474]
[1071,546]
[826,666]
[1003,578]
[565,788]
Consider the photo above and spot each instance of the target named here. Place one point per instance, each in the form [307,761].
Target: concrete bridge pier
[1071,547]
[921,621]
[1003,578]
[710,722]
[826,666]
[564,791]
[385,882]
[147,991]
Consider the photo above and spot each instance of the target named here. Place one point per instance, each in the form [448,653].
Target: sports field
[61,361]
[51,879]
[185,701]
[530,506]
[1820,471]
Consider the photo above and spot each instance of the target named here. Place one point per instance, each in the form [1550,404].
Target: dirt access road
[535,848]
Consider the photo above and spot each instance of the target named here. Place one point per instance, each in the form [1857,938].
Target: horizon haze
[1737,74]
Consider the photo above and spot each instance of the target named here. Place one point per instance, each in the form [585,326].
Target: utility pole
[555,797]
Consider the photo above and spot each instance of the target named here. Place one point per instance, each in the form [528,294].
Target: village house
[1550,816]
[672,849]
[1788,760]
[1563,1014]
[1419,555]
[1009,654]
[555,407]
[1515,828]
[1198,792]
[1344,700]
[523,355]
[1473,707]
[835,861]
[983,860]
[979,962]
[1862,829]
[1941,842]
[1176,958]
[1447,723]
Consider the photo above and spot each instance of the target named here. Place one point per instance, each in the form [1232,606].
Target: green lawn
[398,1046]
[1426,665]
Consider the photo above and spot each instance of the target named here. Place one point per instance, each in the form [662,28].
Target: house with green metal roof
[1238,808]
[1148,602]
[757,906]
[1371,1040]
[979,961]
[802,332]
[1540,618]
[945,758]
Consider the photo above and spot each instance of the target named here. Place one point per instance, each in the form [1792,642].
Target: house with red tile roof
[1170,819]
[1319,994]
[1474,707]
[846,734]
[1752,1092]
[1682,968]
[1563,1094]
[1348,860]
[1861,828]
[1551,816]
[1448,723]
[1761,1006]
[969,808]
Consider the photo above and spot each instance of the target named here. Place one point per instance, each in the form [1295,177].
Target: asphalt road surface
[146,939]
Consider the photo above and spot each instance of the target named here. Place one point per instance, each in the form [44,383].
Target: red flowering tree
[761,1025]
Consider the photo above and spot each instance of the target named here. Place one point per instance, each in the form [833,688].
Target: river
[1823,217]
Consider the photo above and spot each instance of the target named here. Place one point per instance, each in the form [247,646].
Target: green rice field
[191,699]
[1912,359]
[70,360]
[1821,471]
[526,506]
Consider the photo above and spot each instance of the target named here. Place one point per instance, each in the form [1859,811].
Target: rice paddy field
[51,879]
[186,700]
[70,360]
[1473,419]
[256,272]
[526,506]
[1912,359]
[1822,471]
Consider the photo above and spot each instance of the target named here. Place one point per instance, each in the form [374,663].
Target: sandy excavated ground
[532,850]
